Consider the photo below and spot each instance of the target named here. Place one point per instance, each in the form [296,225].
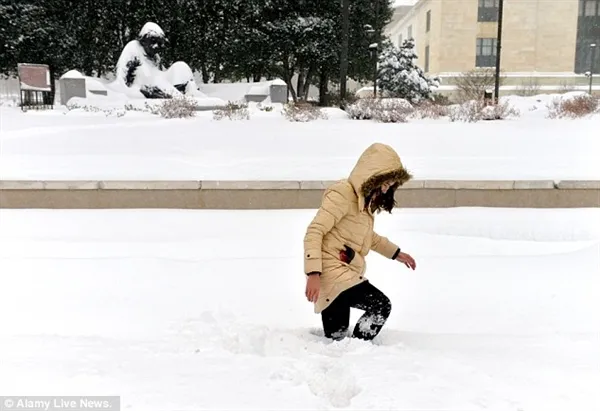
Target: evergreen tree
[400,76]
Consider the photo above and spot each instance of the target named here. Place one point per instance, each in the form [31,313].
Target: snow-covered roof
[152,30]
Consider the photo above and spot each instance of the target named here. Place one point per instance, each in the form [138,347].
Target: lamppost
[373,49]
[498,51]
[592,58]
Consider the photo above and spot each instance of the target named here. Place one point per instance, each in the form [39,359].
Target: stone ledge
[579,185]
[315,185]
[71,185]
[149,185]
[295,185]
[250,185]
[470,185]
[21,185]
[534,185]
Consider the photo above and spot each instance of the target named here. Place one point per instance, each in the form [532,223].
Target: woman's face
[386,186]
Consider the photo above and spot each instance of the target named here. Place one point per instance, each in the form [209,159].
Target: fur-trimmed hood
[377,164]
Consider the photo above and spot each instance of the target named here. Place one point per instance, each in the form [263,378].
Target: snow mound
[278,82]
[483,325]
[537,106]
[261,89]
[179,73]
[72,74]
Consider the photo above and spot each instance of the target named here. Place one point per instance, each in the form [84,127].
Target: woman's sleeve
[383,246]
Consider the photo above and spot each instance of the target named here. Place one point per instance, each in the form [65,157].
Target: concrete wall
[239,195]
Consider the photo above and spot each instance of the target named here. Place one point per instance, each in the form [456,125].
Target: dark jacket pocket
[347,254]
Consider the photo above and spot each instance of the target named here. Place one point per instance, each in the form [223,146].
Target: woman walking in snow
[341,235]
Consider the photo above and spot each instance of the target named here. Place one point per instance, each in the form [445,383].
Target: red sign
[35,77]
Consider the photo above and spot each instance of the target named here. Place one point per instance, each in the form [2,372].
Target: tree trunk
[217,74]
[309,77]
[287,77]
[300,83]
[205,76]
[323,83]
[344,50]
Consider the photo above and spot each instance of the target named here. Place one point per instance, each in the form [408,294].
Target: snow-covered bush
[232,111]
[393,110]
[472,84]
[178,107]
[573,107]
[477,110]
[303,112]
[264,107]
[428,109]
[399,75]
[79,104]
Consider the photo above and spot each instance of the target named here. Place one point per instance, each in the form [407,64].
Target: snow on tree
[399,75]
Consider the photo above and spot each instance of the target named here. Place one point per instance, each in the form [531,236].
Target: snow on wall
[238,91]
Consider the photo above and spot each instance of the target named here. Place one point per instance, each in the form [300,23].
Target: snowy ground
[139,146]
[190,310]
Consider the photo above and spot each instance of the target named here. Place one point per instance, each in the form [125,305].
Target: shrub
[472,84]
[476,110]
[333,99]
[440,99]
[177,107]
[528,88]
[575,107]
[81,104]
[393,110]
[400,75]
[267,108]
[302,112]
[232,111]
[428,109]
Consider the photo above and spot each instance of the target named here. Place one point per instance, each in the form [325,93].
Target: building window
[588,32]
[591,8]
[584,55]
[426,59]
[409,34]
[428,22]
[486,52]
[488,10]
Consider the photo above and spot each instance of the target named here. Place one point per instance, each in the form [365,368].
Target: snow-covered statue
[138,69]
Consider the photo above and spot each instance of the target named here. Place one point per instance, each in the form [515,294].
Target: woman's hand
[407,260]
[313,285]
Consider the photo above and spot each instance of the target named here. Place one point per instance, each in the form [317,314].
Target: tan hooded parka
[342,220]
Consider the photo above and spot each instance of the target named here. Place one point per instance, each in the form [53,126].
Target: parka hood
[377,164]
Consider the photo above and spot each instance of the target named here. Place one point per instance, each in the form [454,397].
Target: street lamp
[373,48]
[592,58]
[498,50]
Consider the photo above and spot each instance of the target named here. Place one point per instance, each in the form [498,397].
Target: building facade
[549,40]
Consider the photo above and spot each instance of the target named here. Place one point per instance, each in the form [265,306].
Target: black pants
[364,296]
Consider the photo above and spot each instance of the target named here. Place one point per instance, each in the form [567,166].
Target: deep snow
[188,310]
[139,146]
